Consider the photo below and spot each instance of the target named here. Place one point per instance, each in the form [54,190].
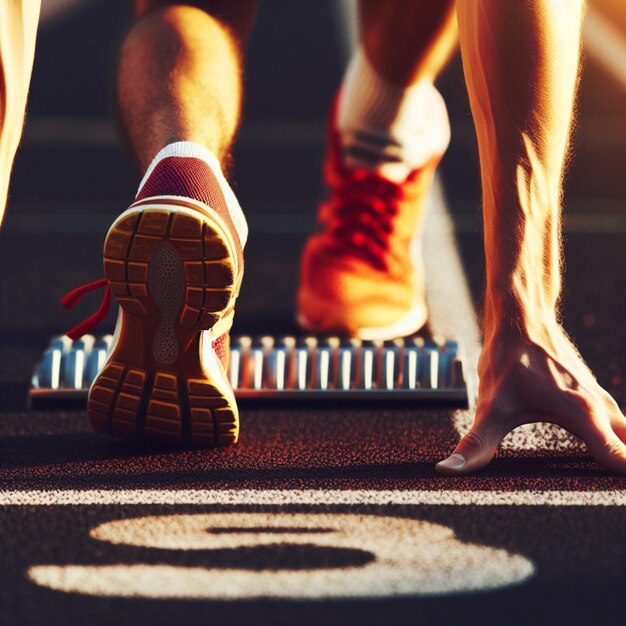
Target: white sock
[194,150]
[386,127]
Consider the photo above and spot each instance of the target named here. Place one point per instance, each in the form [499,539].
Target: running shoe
[174,262]
[363,273]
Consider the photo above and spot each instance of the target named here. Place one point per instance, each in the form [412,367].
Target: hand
[521,382]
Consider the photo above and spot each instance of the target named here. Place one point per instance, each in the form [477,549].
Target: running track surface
[319,514]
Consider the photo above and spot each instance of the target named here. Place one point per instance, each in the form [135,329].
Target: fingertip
[451,466]
[474,451]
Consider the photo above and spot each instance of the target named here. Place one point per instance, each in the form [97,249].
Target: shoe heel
[172,272]
[160,406]
[117,400]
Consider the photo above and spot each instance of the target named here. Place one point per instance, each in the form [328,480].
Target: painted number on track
[405,557]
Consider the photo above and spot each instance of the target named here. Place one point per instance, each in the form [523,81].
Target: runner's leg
[18,31]
[363,274]
[174,259]
[390,116]
[180,74]
[407,41]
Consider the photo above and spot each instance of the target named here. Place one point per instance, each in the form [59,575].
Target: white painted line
[346,19]
[102,132]
[604,132]
[310,497]
[52,10]
[606,44]
[75,131]
[274,217]
[452,312]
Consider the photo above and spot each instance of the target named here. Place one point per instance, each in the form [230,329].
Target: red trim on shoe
[188,177]
[362,204]
[220,346]
[72,298]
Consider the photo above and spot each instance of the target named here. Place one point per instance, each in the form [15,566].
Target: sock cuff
[189,149]
[413,116]
[362,81]
[387,103]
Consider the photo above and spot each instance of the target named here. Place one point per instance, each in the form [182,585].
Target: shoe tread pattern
[208,266]
[135,397]
[161,407]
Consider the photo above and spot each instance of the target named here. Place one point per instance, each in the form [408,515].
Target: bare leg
[18,30]
[521,64]
[407,41]
[180,74]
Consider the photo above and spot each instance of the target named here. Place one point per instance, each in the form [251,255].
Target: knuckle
[474,441]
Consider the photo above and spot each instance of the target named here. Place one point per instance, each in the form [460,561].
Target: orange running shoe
[174,263]
[363,274]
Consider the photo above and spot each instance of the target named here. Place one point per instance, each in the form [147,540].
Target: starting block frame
[288,368]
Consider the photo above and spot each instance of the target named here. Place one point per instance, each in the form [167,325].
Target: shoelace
[70,300]
[360,213]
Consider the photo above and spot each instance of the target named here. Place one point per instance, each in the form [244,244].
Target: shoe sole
[172,270]
[410,323]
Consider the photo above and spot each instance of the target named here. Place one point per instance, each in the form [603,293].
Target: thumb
[472,453]
[607,448]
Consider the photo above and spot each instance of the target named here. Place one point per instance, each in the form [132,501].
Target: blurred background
[73,176]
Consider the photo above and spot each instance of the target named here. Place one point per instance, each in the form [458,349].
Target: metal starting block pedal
[285,368]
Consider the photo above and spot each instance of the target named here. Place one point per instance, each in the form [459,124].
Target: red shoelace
[70,300]
[360,213]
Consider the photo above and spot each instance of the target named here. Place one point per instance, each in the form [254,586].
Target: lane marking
[452,312]
[345,16]
[53,10]
[74,131]
[311,497]
[605,42]
[30,218]
[388,556]
[102,132]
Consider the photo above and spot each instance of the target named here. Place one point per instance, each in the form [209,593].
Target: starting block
[418,369]
[285,368]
